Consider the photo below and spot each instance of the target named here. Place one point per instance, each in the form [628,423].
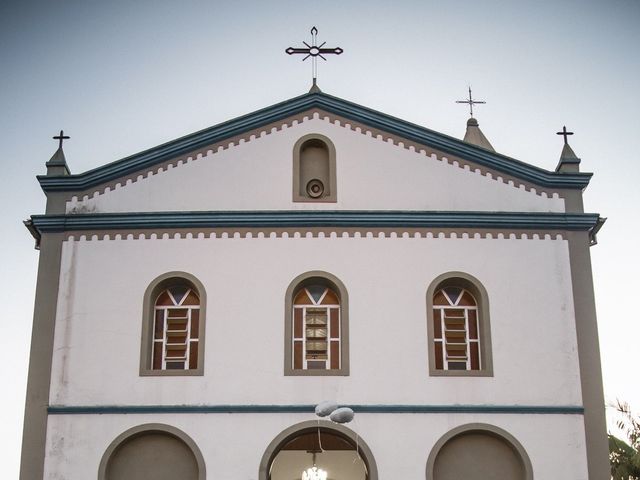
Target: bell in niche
[315,188]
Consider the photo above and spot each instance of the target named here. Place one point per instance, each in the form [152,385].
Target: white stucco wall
[233,445]
[371,174]
[97,337]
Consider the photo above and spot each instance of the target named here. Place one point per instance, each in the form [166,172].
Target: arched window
[316,326]
[173,329]
[334,446]
[314,169]
[455,330]
[458,326]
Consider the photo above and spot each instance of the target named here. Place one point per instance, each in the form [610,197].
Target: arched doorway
[156,451]
[336,449]
[478,452]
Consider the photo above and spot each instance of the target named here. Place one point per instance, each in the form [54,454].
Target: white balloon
[325,408]
[342,415]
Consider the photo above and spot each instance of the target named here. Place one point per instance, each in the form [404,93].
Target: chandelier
[314,473]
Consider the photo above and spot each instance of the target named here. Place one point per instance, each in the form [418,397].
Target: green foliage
[624,458]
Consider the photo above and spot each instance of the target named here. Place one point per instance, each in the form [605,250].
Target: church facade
[195,301]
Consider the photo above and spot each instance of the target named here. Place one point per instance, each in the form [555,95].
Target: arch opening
[332,448]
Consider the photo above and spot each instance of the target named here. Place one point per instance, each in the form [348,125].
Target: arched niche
[314,169]
[153,450]
[302,437]
[478,451]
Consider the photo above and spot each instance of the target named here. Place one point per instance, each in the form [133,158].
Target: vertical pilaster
[589,356]
[39,380]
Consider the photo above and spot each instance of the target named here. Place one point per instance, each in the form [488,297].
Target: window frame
[332,282]
[332,338]
[151,294]
[332,195]
[473,286]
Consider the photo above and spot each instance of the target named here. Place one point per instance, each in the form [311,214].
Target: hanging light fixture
[314,473]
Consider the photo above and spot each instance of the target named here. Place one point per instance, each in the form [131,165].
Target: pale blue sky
[122,76]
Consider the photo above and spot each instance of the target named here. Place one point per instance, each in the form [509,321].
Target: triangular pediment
[271,117]
[376,170]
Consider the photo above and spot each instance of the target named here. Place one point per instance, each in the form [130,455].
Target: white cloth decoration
[342,415]
[325,408]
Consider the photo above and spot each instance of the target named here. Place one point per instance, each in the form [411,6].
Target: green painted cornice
[315,218]
[141,409]
[357,113]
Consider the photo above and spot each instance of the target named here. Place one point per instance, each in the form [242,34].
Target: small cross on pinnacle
[471,102]
[61,138]
[314,51]
[565,134]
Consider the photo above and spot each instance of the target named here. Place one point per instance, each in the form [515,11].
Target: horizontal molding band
[348,110]
[297,218]
[146,409]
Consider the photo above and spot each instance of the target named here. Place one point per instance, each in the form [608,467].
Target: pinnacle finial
[569,161]
[314,87]
[474,135]
[57,164]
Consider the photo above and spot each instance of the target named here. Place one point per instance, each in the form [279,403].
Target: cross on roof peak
[565,134]
[62,137]
[314,51]
[471,102]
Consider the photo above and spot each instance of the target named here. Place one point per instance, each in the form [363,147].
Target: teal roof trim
[453,146]
[154,409]
[315,218]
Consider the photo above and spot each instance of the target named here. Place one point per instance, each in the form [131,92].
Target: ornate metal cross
[61,138]
[471,102]
[314,51]
[565,134]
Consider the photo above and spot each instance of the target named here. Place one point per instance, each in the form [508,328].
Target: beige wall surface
[232,446]
[99,320]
